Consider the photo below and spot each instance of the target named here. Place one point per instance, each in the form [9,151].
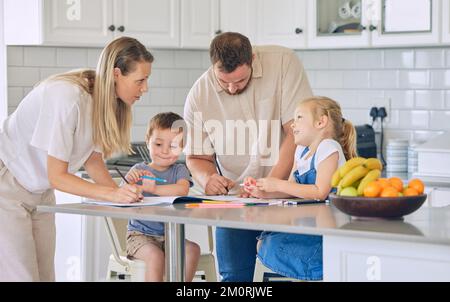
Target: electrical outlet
[379,103]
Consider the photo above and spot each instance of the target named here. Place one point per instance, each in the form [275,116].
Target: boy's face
[165,146]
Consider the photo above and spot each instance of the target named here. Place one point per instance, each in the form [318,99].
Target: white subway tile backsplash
[342,59]
[188,59]
[414,119]
[421,136]
[174,78]
[398,59]
[400,99]
[72,57]
[440,120]
[15,95]
[22,76]
[440,79]
[414,83]
[329,79]
[39,56]
[430,99]
[384,79]
[430,58]
[180,96]
[315,60]
[14,55]
[414,79]
[356,79]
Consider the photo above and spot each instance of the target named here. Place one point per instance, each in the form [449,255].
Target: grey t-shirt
[172,175]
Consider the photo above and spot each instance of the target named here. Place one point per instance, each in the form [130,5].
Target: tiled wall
[413,84]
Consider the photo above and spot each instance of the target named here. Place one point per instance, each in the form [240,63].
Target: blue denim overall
[294,255]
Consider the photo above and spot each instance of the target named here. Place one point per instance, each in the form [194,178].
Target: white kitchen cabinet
[371,260]
[281,22]
[238,16]
[407,22]
[382,23]
[91,22]
[446,21]
[199,23]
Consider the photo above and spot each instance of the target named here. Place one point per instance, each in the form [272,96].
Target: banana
[371,176]
[356,183]
[354,175]
[373,163]
[350,164]
[335,179]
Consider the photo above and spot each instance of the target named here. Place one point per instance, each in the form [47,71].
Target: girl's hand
[126,194]
[269,184]
[253,191]
[249,182]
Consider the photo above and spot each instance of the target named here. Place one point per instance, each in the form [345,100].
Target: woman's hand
[126,194]
[269,184]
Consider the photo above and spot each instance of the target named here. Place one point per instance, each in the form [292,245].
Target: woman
[67,121]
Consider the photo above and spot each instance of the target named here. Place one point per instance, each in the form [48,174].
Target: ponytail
[348,139]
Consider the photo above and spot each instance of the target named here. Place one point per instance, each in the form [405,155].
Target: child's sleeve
[325,149]
[182,172]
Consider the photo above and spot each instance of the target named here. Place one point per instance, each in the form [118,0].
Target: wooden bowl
[379,207]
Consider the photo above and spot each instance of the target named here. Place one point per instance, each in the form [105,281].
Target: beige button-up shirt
[245,130]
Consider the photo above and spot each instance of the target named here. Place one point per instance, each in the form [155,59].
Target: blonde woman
[67,121]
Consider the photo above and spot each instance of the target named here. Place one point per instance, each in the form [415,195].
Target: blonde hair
[343,130]
[111,117]
[83,78]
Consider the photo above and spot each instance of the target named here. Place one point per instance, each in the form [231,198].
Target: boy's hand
[149,185]
[134,175]
[269,184]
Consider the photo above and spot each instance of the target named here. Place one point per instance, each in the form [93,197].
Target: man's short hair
[231,50]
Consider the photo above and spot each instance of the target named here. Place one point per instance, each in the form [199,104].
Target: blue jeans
[236,254]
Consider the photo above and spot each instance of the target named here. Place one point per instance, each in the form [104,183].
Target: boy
[145,239]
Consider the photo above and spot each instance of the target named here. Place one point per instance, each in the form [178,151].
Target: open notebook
[169,200]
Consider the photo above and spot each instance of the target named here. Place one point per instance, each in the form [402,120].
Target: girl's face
[304,126]
[130,87]
[165,146]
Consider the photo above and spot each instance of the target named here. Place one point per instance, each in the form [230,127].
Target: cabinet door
[77,22]
[199,22]
[281,22]
[154,23]
[238,16]
[339,24]
[407,22]
[446,21]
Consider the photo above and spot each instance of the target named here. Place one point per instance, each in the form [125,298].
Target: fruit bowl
[378,207]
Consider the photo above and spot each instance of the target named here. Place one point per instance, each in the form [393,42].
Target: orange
[384,182]
[410,192]
[417,184]
[397,183]
[372,189]
[389,192]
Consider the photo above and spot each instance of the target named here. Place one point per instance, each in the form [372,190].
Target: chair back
[117,232]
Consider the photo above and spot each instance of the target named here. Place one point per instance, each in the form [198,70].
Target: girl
[69,120]
[324,141]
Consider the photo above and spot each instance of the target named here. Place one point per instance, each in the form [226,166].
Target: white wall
[414,83]
[3,67]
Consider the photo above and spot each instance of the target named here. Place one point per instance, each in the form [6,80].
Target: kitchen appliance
[365,141]
[433,159]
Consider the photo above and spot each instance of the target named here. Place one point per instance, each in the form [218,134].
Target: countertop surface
[426,225]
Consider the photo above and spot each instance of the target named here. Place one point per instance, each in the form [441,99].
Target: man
[239,114]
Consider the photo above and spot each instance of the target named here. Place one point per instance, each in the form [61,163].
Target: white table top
[427,225]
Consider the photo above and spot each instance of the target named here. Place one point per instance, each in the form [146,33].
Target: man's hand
[218,185]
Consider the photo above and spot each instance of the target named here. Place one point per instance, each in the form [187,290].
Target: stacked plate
[412,158]
[397,155]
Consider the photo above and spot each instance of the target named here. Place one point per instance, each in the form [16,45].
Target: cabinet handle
[218,32]
[298,31]
[372,27]
[121,28]
[112,28]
